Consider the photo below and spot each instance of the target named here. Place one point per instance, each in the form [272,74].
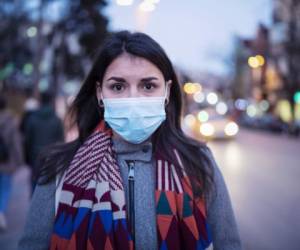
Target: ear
[168,88]
[98,91]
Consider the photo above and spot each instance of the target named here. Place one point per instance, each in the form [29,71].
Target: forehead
[130,66]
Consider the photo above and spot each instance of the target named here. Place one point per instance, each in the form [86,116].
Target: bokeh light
[251,110]
[189,120]
[212,98]
[231,129]
[147,6]
[221,108]
[31,31]
[199,97]
[207,129]
[203,116]
[191,88]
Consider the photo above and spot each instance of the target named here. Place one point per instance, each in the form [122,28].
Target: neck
[116,135]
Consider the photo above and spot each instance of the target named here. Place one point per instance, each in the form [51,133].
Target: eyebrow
[146,79]
[120,79]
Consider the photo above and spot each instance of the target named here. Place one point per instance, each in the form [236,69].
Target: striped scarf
[91,212]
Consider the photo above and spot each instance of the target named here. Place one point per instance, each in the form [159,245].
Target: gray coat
[221,219]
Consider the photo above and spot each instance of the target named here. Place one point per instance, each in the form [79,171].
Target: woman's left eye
[149,86]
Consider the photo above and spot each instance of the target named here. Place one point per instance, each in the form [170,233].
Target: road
[17,209]
[262,172]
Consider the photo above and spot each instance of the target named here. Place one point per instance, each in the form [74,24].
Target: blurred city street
[262,172]
[237,67]
[17,210]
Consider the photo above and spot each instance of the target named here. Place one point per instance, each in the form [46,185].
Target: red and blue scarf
[92,212]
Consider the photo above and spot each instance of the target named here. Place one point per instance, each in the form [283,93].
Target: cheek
[160,91]
[108,93]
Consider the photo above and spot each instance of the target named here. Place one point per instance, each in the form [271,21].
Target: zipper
[131,211]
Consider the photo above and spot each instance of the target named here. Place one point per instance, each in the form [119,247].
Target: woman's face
[132,76]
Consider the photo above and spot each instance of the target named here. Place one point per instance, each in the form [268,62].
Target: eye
[149,86]
[117,87]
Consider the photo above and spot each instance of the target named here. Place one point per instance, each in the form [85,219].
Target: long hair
[86,114]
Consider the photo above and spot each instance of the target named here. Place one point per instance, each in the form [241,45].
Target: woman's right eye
[117,87]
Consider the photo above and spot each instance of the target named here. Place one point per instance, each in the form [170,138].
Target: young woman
[132,179]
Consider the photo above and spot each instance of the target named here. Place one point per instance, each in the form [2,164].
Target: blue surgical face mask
[135,118]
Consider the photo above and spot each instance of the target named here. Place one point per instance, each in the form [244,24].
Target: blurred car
[266,122]
[209,124]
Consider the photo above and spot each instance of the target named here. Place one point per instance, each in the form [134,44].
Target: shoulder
[207,152]
[44,192]
[43,201]
[219,188]
[220,212]
[37,231]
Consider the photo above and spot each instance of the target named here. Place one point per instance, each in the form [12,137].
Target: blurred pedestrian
[132,179]
[42,128]
[30,106]
[10,156]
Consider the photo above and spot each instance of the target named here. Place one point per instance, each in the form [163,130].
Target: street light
[28,68]
[261,60]
[241,104]
[264,105]
[297,97]
[147,6]
[199,97]
[6,71]
[256,61]
[253,62]
[251,110]
[189,120]
[198,86]
[203,116]
[31,31]
[124,2]
[212,98]
[231,129]
[191,88]
[152,1]
[221,108]
[207,129]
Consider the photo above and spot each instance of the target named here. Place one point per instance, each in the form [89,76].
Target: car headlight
[231,129]
[207,129]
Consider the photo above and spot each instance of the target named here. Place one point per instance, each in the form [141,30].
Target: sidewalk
[17,210]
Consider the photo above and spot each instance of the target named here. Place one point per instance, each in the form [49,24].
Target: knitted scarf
[91,212]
